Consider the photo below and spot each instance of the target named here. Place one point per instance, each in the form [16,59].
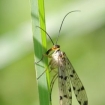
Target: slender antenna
[47,34]
[63,21]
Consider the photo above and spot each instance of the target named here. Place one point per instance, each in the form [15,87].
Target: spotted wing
[65,93]
[78,87]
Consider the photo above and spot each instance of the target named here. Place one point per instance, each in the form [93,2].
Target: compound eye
[56,46]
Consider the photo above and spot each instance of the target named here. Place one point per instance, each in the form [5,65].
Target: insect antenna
[51,41]
[47,34]
[63,21]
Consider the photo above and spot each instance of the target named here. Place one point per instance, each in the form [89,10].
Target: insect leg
[42,58]
[48,65]
[42,73]
[52,83]
[39,60]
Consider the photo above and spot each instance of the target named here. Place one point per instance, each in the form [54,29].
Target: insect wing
[64,84]
[78,87]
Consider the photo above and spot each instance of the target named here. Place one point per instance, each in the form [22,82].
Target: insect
[66,74]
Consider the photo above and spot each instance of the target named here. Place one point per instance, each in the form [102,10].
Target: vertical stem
[40,46]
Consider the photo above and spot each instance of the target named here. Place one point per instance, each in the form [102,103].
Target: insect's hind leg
[44,71]
[41,60]
[52,84]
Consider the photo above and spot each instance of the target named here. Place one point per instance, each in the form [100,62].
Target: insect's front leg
[44,55]
[47,54]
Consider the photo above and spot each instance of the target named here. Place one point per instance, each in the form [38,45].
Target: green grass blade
[38,19]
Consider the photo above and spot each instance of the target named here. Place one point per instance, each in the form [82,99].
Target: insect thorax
[58,58]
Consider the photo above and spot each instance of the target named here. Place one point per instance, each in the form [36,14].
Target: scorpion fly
[66,74]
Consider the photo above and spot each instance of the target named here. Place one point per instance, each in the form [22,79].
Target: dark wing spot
[65,78]
[73,71]
[61,97]
[69,89]
[73,88]
[79,102]
[61,77]
[85,103]
[82,88]
[65,96]
[70,97]
[63,53]
[78,90]
[71,75]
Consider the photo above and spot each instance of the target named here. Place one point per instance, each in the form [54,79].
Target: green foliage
[38,19]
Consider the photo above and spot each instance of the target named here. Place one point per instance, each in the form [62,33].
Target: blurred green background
[82,38]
